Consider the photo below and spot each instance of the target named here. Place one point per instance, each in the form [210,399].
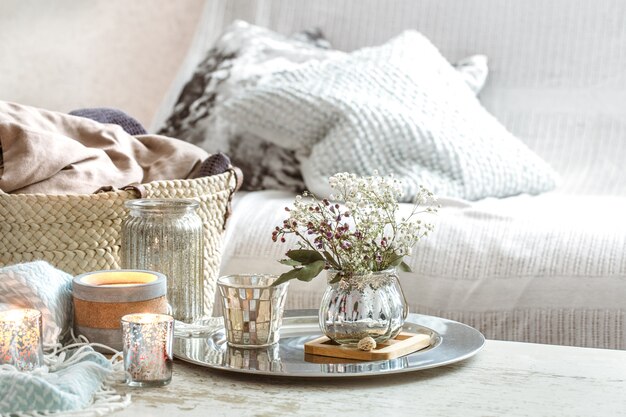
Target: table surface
[505,378]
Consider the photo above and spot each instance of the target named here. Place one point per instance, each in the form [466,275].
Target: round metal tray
[450,342]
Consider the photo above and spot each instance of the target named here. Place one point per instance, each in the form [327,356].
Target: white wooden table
[504,379]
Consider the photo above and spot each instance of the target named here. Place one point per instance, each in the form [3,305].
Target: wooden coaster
[403,344]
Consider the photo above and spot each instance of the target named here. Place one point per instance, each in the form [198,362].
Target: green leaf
[395,260]
[287,276]
[305,256]
[290,262]
[404,267]
[331,260]
[310,271]
[305,273]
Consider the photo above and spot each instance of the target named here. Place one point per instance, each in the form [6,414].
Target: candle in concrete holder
[20,338]
[148,342]
[101,298]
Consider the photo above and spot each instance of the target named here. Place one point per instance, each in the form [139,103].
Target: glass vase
[363,305]
[165,235]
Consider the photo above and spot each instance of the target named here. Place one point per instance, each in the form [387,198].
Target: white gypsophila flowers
[363,233]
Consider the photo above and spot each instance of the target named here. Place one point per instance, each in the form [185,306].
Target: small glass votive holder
[147,340]
[252,308]
[20,338]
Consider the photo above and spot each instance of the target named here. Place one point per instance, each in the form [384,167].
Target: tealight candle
[147,340]
[20,338]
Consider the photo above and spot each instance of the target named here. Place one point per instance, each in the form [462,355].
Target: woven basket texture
[82,233]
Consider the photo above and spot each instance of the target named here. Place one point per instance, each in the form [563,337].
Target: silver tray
[450,342]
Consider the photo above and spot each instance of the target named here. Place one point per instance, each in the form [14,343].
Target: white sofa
[548,269]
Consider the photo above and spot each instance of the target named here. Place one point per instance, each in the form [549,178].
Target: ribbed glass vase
[165,235]
[363,305]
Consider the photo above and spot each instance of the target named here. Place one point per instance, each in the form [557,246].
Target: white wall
[67,54]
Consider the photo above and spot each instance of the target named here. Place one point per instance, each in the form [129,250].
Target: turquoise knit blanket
[75,379]
[68,385]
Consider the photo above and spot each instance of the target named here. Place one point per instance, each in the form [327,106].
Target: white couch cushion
[399,108]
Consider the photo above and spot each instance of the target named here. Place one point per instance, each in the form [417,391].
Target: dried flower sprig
[363,234]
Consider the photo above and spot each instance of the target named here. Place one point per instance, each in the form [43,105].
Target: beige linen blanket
[54,153]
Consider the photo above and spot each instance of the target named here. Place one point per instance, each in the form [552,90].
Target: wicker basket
[82,233]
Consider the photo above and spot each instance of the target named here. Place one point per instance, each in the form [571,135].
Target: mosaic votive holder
[147,340]
[265,359]
[252,308]
[20,339]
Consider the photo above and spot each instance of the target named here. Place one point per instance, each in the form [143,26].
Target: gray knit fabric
[243,54]
[399,108]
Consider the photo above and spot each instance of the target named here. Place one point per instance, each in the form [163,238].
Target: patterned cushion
[399,108]
[241,57]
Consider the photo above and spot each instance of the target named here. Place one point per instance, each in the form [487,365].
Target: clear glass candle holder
[165,235]
[148,342]
[20,339]
[252,308]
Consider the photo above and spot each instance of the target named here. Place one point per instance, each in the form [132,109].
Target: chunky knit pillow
[242,56]
[399,108]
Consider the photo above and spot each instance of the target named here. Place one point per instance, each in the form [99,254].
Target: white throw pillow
[399,108]
[242,56]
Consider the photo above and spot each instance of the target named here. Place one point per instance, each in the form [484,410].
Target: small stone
[367,343]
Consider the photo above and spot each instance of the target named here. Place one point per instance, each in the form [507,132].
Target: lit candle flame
[20,338]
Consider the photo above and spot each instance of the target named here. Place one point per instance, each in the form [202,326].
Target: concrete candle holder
[101,298]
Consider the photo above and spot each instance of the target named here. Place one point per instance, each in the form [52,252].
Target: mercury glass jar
[364,305]
[165,235]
